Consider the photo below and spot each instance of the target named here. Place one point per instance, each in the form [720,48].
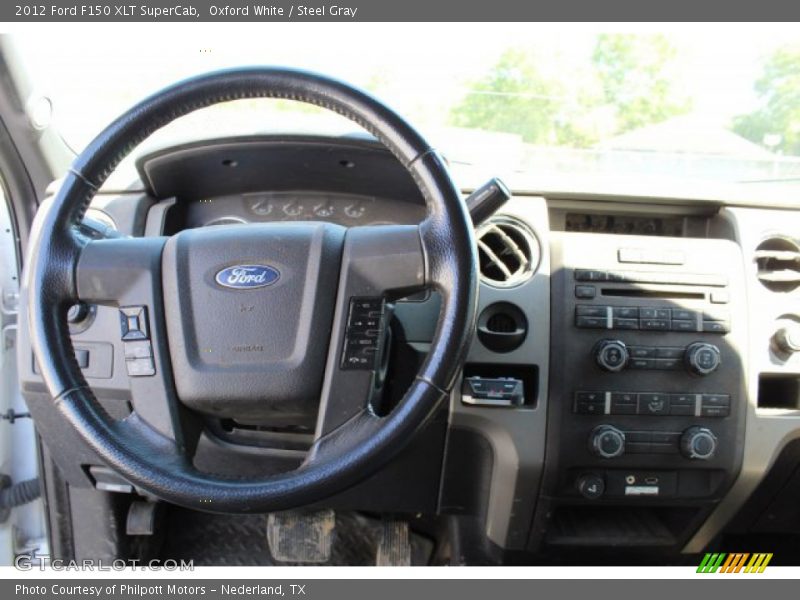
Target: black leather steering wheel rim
[338,459]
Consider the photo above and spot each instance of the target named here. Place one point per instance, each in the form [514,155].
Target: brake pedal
[297,536]
[394,547]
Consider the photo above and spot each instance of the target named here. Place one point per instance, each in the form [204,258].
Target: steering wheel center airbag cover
[252,346]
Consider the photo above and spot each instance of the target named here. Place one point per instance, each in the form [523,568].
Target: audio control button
[643,351]
[716,326]
[670,352]
[642,363]
[702,358]
[590,322]
[684,325]
[629,324]
[654,324]
[683,314]
[626,312]
[611,355]
[591,310]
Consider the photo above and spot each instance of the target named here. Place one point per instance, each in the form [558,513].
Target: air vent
[778,261]
[508,251]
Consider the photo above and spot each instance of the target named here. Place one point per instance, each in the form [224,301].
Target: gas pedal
[394,547]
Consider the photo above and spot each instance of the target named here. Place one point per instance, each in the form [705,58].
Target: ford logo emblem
[247,277]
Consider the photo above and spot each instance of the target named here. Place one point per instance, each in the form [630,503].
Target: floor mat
[241,540]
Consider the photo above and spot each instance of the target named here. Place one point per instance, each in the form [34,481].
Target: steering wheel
[255,319]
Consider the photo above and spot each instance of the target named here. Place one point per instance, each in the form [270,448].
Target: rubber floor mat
[241,540]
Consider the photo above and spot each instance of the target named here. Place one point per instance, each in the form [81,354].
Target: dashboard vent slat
[778,263]
[508,252]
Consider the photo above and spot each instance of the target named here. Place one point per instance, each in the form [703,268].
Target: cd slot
[657,294]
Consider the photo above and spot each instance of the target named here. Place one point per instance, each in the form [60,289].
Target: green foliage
[626,81]
[514,98]
[633,73]
[778,116]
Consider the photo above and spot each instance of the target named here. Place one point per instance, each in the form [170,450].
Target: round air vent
[508,251]
[778,261]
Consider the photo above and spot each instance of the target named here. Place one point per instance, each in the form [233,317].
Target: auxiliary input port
[630,479]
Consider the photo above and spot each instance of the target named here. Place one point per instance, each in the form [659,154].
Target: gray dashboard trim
[516,435]
[767,431]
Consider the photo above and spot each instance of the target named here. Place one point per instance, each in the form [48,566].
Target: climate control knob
[698,443]
[611,355]
[607,441]
[702,358]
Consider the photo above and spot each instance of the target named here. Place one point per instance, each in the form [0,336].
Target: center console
[647,398]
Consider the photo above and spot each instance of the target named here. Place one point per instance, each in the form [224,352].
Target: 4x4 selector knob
[611,355]
[607,441]
[698,443]
[702,358]
[787,339]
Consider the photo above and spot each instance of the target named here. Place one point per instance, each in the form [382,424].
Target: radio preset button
[654,324]
[590,322]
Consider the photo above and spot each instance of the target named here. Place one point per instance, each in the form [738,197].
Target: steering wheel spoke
[125,274]
[379,264]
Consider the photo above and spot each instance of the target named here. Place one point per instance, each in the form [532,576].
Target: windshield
[692,103]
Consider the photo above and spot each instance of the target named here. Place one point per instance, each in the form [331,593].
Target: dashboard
[633,381]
